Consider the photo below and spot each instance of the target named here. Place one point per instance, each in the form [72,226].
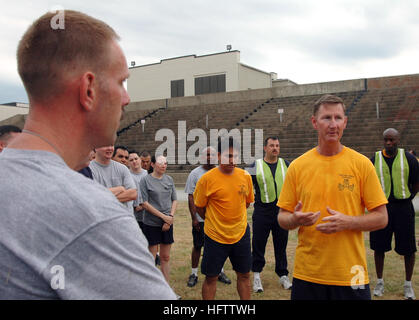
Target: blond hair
[45,55]
[327,99]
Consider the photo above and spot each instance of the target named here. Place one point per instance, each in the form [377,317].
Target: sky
[306,41]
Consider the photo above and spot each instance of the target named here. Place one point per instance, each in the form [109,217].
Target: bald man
[398,171]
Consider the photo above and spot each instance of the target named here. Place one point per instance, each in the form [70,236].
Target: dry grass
[180,262]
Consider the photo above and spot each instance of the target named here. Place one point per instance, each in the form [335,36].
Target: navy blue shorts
[155,235]
[401,222]
[304,290]
[216,254]
[198,236]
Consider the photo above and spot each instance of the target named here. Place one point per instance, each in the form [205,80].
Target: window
[210,84]
[177,88]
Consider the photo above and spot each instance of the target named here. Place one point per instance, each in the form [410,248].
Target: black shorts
[155,235]
[198,236]
[215,255]
[401,222]
[304,290]
[141,225]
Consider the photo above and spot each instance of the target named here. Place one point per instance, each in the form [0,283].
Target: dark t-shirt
[413,174]
[260,207]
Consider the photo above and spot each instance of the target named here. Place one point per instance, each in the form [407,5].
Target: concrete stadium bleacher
[397,98]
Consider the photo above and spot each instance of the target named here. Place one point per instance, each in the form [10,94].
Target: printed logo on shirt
[346,184]
[242,190]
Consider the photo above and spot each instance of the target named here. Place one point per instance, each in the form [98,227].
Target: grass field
[180,263]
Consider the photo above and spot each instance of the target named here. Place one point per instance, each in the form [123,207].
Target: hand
[195,224]
[166,227]
[336,222]
[168,219]
[304,218]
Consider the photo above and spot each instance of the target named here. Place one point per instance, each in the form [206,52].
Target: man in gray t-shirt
[114,176]
[63,236]
[67,245]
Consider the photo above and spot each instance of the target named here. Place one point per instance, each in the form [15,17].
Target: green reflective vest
[266,181]
[399,174]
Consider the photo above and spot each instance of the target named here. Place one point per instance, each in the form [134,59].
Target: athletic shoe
[409,294]
[379,289]
[286,283]
[257,285]
[222,277]
[192,281]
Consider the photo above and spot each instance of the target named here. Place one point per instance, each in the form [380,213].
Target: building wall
[250,78]
[10,111]
[151,82]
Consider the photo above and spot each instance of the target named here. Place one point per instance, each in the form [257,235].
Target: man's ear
[314,122]
[88,90]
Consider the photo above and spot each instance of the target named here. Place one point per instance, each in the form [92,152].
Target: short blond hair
[327,99]
[46,54]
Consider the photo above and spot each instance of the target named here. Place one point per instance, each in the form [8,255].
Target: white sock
[408,283]
[256,275]
[380,280]
[195,271]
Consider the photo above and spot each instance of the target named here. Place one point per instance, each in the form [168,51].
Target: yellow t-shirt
[225,197]
[346,182]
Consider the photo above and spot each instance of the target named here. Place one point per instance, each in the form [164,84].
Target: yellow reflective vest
[266,180]
[399,174]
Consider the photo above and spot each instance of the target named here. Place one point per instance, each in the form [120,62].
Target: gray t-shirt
[139,215]
[114,174]
[160,193]
[63,236]
[193,178]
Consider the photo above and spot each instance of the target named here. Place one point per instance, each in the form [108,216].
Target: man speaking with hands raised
[325,194]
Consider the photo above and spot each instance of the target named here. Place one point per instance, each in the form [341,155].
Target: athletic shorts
[140,224]
[304,290]
[215,255]
[198,236]
[155,235]
[401,222]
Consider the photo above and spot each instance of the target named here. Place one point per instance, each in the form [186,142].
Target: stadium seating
[397,101]
[380,104]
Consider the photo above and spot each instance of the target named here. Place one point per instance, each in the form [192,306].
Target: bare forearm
[173,208]
[201,212]
[127,195]
[157,213]
[286,220]
[375,220]
[191,205]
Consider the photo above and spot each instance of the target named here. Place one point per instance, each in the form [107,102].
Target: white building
[9,110]
[193,75]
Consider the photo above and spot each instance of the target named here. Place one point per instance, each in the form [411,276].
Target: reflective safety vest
[266,181]
[399,174]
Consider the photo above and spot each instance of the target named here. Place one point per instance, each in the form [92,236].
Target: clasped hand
[336,222]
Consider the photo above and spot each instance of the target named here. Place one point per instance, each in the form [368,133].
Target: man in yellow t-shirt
[325,193]
[221,197]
